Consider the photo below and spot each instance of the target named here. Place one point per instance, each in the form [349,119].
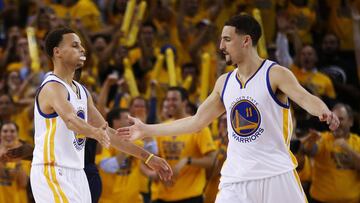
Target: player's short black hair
[182,91]
[246,24]
[115,114]
[53,39]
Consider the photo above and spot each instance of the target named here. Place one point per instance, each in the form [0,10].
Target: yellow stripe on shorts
[46,160]
[52,160]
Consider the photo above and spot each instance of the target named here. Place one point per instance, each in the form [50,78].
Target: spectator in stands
[336,161]
[189,155]
[14,176]
[119,172]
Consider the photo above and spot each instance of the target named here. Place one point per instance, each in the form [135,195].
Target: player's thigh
[284,188]
[241,192]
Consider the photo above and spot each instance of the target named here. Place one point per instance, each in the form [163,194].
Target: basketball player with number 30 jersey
[64,116]
[259,167]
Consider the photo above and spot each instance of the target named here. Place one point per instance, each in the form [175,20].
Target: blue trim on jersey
[52,115]
[262,64]
[223,90]
[238,80]
[271,91]
[86,92]
[78,93]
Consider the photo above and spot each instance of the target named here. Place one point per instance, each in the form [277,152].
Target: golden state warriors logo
[79,141]
[245,121]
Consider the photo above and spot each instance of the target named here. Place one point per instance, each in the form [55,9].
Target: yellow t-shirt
[305,18]
[212,187]
[191,180]
[332,180]
[10,191]
[319,83]
[25,126]
[88,13]
[61,11]
[124,185]
[305,173]
[341,25]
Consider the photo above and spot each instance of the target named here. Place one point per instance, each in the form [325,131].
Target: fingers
[323,117]
[124,133]
[329,118]
[334,123]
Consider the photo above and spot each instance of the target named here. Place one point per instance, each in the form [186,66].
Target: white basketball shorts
[283,188]
[59,185]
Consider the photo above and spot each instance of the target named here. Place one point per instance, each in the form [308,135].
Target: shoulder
[323,77]
[220,82]
[53,88]
[277,69]
[356,138]
[278,74]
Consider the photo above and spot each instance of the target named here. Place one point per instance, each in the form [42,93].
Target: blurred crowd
[160,66]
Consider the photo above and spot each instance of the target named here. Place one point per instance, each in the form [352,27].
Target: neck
[64,73]
[251,63]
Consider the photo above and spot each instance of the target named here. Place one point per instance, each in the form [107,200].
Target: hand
[101,136]
[112,79]
[15,154]
[3,157]
[180,165]
[331,119]
[134,132]
[161,167]
[312,137]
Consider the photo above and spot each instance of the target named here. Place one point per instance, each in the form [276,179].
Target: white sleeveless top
[259,129]
[55,144]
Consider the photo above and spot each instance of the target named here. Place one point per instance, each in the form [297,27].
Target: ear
[56,51]
[247,42]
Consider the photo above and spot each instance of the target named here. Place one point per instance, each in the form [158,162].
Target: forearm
[282,51]
[313,105]
[22,178]
[177,127]
[127,147]
[101,105]
[204,162]
[80,126]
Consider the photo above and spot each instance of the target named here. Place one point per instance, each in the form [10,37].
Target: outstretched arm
[154,162]
[207,112]
[282,79]
[65,110]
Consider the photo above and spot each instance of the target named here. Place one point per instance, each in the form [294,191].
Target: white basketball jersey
[55,144]
[259,129]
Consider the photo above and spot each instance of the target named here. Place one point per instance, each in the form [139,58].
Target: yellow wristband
[149,158]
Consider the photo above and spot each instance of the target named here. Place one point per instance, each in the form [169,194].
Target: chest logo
[245,118]
[79,140]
